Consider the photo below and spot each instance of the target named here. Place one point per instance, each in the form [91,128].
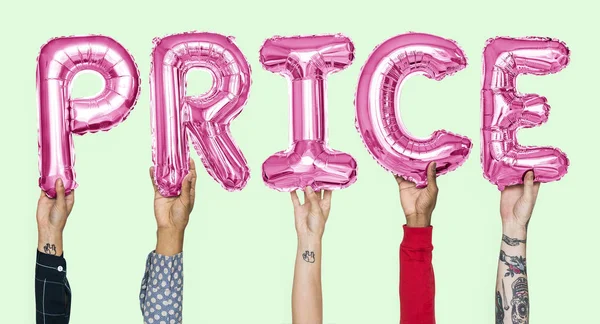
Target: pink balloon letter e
[505,111]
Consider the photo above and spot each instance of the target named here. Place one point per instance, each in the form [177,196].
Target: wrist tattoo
[309,256]
[512,241]
[50,249]
[517,265]
[520,301]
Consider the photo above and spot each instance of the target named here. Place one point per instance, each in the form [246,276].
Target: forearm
[50,241]
[169,241]
[52,291]
[512,291]
[161,292]
[417,282]
[307,300]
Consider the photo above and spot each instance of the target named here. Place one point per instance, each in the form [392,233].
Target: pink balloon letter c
[377,112]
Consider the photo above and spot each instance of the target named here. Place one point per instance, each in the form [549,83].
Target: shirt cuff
[417,237]
[50,267]
[165,271]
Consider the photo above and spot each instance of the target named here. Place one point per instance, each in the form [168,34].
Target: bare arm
[310,218]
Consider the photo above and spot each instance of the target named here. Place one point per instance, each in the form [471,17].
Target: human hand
[173,213]
[517,202]
[310,217]
[51,215]
[418,204]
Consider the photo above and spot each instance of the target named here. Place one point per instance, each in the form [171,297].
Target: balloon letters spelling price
[205,118]
[505,111]
[306,62]
[377,111]
[60,116]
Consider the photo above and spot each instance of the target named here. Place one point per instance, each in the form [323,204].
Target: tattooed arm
[310,218]
[52,291]
[512,291]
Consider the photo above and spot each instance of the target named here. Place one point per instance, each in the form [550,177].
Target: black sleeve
[52,291]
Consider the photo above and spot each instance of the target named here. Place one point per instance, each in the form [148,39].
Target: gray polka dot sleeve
[161,294]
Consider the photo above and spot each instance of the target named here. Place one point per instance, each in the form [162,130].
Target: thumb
[186,187]
[432,178]
[529,188]
[60,193]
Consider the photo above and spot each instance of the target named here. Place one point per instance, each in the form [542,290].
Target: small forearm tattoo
[506,307]
[309,256]
[512,241]
[50,249]
[517,265]
[520,301]
[499,309]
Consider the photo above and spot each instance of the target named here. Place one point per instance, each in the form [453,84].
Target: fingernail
[308,189]
[434,165]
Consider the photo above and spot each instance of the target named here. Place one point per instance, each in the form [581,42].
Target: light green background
[240,247]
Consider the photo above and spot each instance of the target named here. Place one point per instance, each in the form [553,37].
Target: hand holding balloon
[173,213]
[418,203]
[516,204]
[52,214]
[311,216]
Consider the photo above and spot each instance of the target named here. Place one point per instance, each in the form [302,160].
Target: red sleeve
[417,283]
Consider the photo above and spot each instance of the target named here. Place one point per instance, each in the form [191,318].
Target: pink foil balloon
[205,118]
[306,61]
[378,113]
[505,111]
[60,116]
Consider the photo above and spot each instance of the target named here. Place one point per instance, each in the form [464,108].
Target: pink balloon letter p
[505,111]
[60,116]
[306,62]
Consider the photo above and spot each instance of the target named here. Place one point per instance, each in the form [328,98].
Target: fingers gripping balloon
[505,111]
[60,116]
[378,115]
[306,61]
[205,118]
